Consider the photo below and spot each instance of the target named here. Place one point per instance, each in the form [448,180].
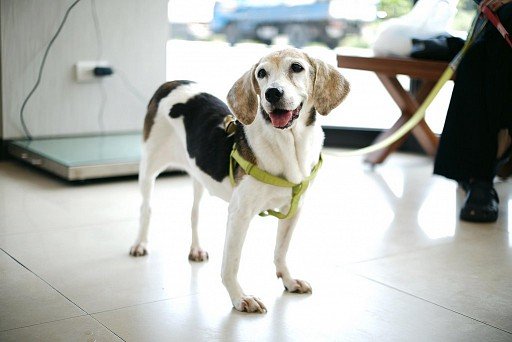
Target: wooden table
[387,69]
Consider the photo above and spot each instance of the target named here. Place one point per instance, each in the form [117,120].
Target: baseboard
[350,137]
[343,137]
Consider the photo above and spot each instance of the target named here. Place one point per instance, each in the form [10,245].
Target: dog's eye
[262,73]
[296,67]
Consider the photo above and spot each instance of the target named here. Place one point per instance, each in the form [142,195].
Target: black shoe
[481,204]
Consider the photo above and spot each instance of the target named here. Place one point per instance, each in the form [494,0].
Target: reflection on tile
[396,225]
[34,201]
[437,216]
[91,266]
[471,275]
[342,308]
[25,299]
[74,329]
[394,179]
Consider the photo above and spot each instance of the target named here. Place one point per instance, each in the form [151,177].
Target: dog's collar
[267,178]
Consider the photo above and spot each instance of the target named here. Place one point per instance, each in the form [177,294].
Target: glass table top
[88,150]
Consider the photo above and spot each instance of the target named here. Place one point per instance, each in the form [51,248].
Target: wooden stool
[387,69]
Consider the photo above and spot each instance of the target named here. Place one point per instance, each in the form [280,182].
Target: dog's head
[288,83]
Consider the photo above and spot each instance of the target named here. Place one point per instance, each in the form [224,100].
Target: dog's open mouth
[283,118]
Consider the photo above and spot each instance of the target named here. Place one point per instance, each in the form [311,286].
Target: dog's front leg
[284,235]
[238,223]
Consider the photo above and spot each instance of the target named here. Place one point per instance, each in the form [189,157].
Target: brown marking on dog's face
[283,78]
[278,56]
[278,67]
[164,90]
[315,84]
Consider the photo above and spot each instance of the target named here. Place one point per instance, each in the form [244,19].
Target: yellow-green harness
[267,178]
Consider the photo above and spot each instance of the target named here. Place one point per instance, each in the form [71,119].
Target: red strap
[493,18]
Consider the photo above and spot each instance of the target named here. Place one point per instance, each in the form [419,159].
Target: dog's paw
[197,254]
[298,286]
[250,304]
[138,250]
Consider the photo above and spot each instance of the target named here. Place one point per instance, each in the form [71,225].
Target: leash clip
[230,125]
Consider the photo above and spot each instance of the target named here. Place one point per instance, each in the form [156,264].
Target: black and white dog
[275,103]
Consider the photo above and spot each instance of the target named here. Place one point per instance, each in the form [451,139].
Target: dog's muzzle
[280,117]
[283,118]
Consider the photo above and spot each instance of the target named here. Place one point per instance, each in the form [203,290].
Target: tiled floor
[384,251]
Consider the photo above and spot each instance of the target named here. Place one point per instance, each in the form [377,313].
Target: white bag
[427,19]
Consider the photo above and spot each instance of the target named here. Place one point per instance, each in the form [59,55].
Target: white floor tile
[471,275]
[34,201]
[83,328]
[25,299]
[422,274]
[91,266]
[341,308]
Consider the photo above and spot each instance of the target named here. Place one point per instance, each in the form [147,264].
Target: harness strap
[267,178]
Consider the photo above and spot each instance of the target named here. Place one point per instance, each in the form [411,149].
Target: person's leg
[478,111]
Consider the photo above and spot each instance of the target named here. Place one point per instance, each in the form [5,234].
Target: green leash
[267,178]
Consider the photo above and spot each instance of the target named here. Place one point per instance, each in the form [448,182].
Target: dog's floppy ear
[329,86]
[243,97]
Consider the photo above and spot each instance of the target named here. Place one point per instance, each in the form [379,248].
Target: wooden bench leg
[426,138]
[409,104]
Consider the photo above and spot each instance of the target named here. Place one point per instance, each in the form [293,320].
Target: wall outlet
[84,70]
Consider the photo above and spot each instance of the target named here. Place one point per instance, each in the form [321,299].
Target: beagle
[276,103]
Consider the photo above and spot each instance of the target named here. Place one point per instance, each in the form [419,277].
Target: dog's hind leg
[196,252]
[150,168]
[147,184]
[284,235]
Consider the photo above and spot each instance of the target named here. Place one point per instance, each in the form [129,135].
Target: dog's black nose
[274,94]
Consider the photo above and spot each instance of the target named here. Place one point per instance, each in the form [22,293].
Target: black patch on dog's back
[207,142]
[164,90]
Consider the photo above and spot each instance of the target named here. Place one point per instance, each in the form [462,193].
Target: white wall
[134,33]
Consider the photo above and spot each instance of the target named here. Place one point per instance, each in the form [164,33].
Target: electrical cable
[128,85]
[99,55]
[104,96]
[97,30]
[41,67]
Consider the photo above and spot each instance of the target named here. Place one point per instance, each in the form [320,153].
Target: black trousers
[480,106]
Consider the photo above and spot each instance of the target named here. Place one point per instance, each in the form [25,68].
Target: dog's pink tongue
[281,119]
